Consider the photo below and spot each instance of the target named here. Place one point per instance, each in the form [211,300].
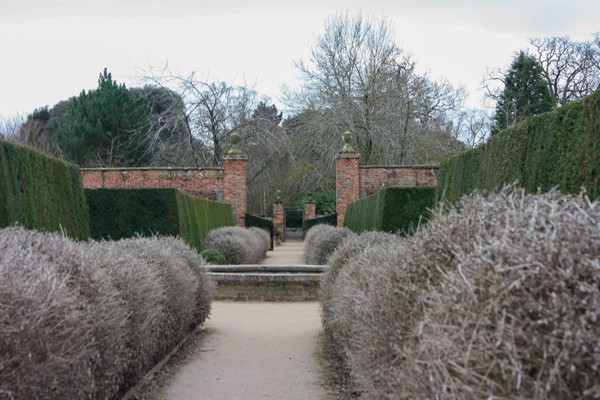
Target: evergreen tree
[106,127]
[525,94]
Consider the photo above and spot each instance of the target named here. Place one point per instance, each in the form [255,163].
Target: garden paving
[256,350]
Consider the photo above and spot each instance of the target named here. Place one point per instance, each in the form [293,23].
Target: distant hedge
[122,213]
[262,223]
[330,219]
[559,148]
[41,192]
[392,209]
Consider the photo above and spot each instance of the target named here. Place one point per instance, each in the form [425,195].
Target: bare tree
[572,69]
[10,126]
[212,111]
[474,126]
[358,79]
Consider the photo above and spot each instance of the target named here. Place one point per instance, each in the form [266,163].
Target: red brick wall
[310,209]
[279,218]
[234,186]
[374,178]
[201,182]
[347,183]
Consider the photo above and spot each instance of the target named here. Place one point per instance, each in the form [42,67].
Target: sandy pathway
[254,351]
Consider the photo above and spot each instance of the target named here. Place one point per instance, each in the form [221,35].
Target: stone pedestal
[279,218]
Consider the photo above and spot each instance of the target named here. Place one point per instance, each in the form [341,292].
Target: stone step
[267,282]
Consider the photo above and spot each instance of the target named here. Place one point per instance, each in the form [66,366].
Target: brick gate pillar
[279,216]
[234,180]
[310,208]
[347,178]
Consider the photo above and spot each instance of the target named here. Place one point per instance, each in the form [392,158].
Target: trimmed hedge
[123,213]
[392,209]
[330,219]
[41,192]
[254,221]
[559,148]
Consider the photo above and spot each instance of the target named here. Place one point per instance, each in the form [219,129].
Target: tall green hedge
[41,192]
[559,148]
[392,209]
[121,213]
[330,219]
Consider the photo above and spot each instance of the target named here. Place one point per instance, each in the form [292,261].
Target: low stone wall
[266,282]
[201,182]
[373,178]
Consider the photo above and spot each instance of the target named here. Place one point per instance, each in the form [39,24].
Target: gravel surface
[253,351]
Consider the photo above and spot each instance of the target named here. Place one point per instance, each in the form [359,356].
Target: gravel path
[256,350]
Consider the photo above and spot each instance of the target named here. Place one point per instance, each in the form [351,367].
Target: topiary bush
[86,320]
[41,192]
[214,256]
[494,298]
[560,148]
[264,236]
[393,209]
[321,240]
[238,245]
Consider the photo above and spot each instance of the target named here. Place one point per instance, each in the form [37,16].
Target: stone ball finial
[347,149]
[234,139]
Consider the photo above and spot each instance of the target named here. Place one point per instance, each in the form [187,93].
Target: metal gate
[293,223]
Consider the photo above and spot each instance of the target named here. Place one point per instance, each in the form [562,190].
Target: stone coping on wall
[153,169]
[400,166]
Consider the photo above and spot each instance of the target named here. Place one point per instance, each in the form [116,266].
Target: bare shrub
[238,245]
[85,320]
[179,281]
[43,326]
[321,240]
[196,264]
[265,237]
[495,298]
[102,313]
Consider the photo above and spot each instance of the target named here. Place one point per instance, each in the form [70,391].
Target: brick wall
[347,183]
[201,182]
[310,209]
[234,186]
[374,178]
[279,218]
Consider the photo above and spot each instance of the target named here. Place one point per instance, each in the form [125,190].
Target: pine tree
[525,94]
[106,127]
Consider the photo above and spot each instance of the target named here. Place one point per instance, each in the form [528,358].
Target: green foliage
[559,148]
[199,216]
[330,219]
[324,201]
[122,213]
[526,93]
[104,127]
[214,256]
[393,209]
[262,223]
[41,192]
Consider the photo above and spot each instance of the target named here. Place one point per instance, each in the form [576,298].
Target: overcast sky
[52,49]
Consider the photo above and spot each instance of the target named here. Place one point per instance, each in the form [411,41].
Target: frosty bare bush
[238,245]
[496,297]
[43,326]
[84,320]
[321,240]
[179,281]
[264,235]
